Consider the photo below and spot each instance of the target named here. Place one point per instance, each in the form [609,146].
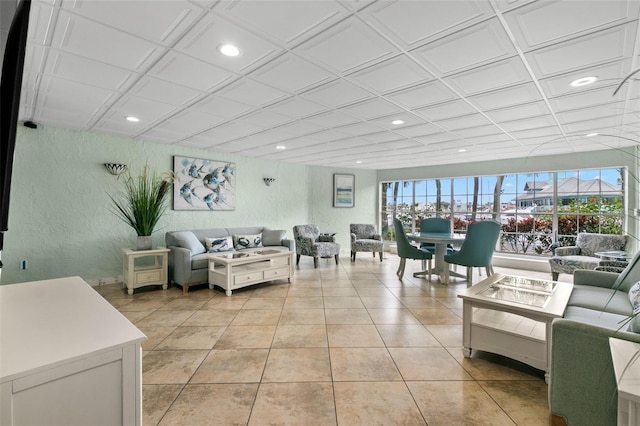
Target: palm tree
[497,191]
[474,204]
[438,196]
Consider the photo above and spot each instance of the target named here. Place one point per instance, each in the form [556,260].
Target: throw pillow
[217,245]
[247,241]
[272,237]
[188,240]
[634,298]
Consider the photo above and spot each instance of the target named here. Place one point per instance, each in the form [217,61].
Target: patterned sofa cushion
[590,243]
[217,245]
[247,241]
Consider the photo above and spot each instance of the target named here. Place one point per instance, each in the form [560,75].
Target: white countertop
[43,323]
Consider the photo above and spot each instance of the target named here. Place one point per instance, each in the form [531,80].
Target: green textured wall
[60,223]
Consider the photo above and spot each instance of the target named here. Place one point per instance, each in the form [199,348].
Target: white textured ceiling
[326,78]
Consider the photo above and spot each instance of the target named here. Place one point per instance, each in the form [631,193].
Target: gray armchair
[582,256]
[364,237]
[309,242]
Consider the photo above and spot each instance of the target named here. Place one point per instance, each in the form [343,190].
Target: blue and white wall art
[203,184]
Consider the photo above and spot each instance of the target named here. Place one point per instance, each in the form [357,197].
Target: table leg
[441,266]
[467,312]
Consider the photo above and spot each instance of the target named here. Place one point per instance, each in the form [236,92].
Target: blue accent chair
[435,224]
[478,247]
[407,251]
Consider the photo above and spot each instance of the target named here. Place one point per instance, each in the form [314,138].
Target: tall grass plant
[142,200]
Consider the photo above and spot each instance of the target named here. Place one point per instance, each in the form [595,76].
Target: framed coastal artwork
[344,190]
[203,184]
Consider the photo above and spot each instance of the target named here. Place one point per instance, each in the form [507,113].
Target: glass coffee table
[511,316]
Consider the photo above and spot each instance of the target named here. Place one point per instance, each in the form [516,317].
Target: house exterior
[540,194]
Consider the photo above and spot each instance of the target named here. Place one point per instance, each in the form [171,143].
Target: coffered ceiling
[471,80]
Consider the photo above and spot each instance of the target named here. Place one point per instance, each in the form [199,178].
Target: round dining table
[440,240]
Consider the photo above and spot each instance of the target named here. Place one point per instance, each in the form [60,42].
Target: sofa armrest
[568,251]
[376,237]
[179,265]
[290,244]
[594,278]
[327,238]
[582,386]
[354,237]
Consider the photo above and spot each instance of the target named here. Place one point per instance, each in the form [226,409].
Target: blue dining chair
[436,225]
[407,251]
[477,248]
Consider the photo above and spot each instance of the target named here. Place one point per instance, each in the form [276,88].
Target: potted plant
[141,203]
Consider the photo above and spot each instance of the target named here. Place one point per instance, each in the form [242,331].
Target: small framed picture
[344,190]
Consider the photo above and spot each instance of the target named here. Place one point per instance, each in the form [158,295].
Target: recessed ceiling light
[590,135]
[462,150]
[583,81]
[281,147]
[397,122]
[132,119]
[358,162]
[228,50]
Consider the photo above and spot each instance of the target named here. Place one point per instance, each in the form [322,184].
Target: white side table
[626,364]
[145,267]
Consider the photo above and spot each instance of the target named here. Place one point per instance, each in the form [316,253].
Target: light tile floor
[346,344]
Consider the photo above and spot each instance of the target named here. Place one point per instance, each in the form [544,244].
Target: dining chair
[436,225]
[408,251]
[477,248]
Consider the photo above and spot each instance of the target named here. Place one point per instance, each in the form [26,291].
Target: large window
[538,211]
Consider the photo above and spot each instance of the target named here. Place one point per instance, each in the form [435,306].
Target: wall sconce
[115,168]
[268,181]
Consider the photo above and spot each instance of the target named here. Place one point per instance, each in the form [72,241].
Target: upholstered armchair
[582,256]
[408,251]
[477,248]
[364,237]
[309,242]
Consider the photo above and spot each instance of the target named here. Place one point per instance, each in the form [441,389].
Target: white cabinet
[67,357]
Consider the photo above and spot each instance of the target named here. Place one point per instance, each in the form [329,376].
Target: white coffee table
[511,316]
[235,270]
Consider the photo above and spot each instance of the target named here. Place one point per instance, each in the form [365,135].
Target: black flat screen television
[10,88]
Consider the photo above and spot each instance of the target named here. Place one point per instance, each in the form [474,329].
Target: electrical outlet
[23,264]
